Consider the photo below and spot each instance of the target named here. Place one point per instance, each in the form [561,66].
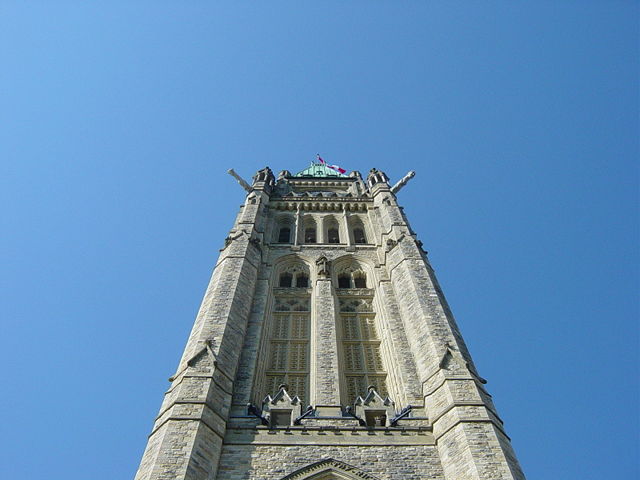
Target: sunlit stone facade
[325,349]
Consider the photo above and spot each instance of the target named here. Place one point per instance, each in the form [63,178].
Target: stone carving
[255,241]
[323,267]
[326,467]
[231,238]
[264,176]
[281,410]
[403,181]
[240,180]
[391,243]
[375,410]
[376,176]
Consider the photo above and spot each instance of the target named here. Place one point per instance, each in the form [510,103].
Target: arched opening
[344,280]
[359,336]
[285,358]
[302,280]
[358,231]
[359,280]
[283,230]
[331,230]
[333,235]
[284,235]
[310,232]
[286,280]
[310,235]
[359,236]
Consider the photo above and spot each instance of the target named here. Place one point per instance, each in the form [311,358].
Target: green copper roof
[319,170]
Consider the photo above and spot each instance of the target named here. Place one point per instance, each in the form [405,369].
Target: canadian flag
[332,167]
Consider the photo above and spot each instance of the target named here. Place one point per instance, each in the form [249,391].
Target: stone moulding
[319,469]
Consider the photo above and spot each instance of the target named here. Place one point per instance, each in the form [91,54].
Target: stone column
[345,222]
[326,390]
[297,227]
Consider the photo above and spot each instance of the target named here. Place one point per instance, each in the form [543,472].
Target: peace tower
[325,349]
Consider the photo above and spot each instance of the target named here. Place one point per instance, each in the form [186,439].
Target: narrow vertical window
[302,280]
[359,281]
[310,235]
[362,364]
[285,280]
[288,355]
[344,280]
[358,235]
[284,235]
[334,236]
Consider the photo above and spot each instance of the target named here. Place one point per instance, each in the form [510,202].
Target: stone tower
[325,349]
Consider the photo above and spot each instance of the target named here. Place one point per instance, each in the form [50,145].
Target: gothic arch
[291,263]
[332,230]
[309,229]
[353,266]
[283,221]
[329,469]
[359,230]
[284,351]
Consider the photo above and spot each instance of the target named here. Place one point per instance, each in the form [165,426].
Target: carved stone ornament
[323,267]
[326,467]
[373,403]
[281,402]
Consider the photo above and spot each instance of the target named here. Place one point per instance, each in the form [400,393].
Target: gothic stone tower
[325,349]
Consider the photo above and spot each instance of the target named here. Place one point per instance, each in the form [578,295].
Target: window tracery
[289,333]
[362,364]
[358,230]
[284,230]
[310,235]
[332,229]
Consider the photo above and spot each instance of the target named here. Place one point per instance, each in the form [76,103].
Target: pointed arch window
[310,235]
[359,280]
[283,229]
[358,230]
[361,362]
[331,230]
[359,236]
[288,327]
[284,235]
[302,280]
[344,280]
[286,280]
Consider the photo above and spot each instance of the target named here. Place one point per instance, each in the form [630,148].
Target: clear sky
[119,119]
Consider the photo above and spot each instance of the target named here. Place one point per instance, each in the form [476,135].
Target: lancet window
[358,232]
[284,230]
[361,364]
[359,236]
[289,330]
[310,235]
[332,230]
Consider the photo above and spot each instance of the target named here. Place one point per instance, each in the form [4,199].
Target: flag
[332,167]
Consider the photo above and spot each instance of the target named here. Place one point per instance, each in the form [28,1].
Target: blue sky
[119,120]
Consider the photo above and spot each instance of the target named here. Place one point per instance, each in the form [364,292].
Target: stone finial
[264,180]
[376,176]
[283,174]
[265,175]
